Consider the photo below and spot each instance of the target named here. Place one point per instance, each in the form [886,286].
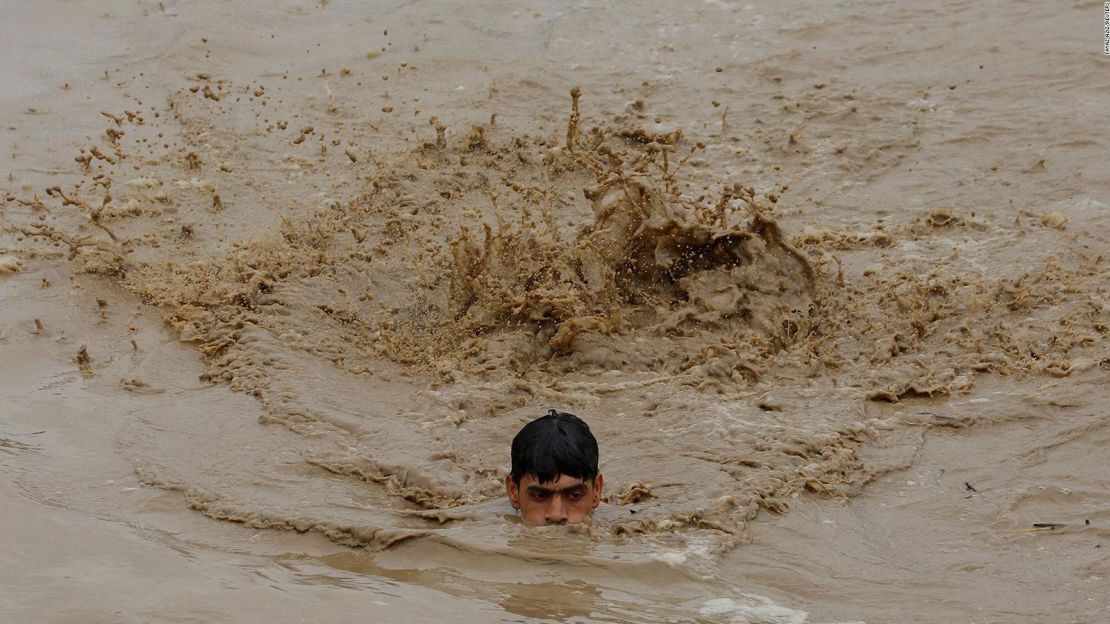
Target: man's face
[566,499]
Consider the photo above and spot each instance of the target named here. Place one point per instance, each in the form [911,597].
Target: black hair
[552,445]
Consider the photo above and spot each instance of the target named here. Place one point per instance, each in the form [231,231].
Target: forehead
[561,483]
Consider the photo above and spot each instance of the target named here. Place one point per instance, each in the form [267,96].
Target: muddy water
[282,280]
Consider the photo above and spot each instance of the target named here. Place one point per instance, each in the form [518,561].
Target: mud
[837,317]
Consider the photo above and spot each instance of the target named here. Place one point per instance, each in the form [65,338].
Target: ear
[513,490]
[599,482]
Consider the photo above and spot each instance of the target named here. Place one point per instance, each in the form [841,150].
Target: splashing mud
[461,266]
[397,295]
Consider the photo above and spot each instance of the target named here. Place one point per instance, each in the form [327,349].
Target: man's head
[554,476]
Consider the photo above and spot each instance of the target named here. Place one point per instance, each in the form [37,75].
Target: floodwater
[280,281]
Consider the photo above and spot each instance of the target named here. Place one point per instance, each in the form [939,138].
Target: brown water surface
[280,280]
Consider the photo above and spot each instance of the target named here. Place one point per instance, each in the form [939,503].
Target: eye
[541,495]
[576,496]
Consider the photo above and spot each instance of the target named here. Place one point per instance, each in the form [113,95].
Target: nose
[556,511]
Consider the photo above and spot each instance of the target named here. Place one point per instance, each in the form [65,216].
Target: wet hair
[552,445]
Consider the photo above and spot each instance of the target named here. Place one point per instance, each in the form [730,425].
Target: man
[554,477]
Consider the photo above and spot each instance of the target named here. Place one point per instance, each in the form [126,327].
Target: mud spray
[399,307]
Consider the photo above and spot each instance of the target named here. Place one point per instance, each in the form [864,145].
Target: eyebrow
[539,489]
